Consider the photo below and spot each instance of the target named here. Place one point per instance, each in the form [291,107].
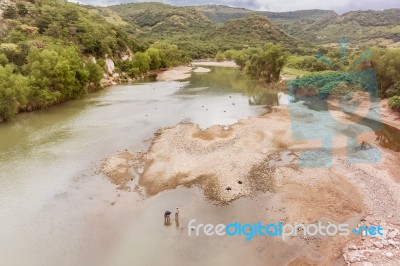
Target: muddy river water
[57,208]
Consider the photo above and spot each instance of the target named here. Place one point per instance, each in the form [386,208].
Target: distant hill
[163,19]
[370,27]
[221,14]
[323,26]
[251,31]
[194,31]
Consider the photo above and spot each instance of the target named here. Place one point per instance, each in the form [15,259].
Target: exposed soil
[176,73]
[259,155]
[214,63]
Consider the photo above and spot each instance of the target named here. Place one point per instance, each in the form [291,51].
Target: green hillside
[221,14]
[193,31]
[323,26]
[372,27]
[54,51]
[251,31]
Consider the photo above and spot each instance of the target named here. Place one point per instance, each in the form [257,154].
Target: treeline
[264,64]
[385,62]
[53,51]
[158,56]
[327,66]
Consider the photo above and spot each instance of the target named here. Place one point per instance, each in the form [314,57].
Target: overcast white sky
[339,6]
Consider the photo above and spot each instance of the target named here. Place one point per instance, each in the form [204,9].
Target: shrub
[394,90]
[394,103]
[134,72]
[220,57]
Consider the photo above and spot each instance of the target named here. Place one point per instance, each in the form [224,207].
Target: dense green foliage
[221,14]
[55,74]
[308,63]
[322,26]
[374,27]
[394,103]
[387,65]
[45,53]
[333,83]
[267,64]
[194,33]
[53,51]
[13,91]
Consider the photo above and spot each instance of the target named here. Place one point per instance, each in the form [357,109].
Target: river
[57,208]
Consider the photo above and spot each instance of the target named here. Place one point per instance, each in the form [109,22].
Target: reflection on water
[266,98]
[50,191]
[229,80]
[387,136]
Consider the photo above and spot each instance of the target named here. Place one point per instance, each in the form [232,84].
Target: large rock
[110,66]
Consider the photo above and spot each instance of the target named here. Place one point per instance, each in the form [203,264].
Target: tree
[219,57]
[10,12]
[230,54]
[13,92]
[95,74]
[155,58]
[21,9]
[141,61]
[386,63]
[241,59]
[3,60]
[267,64]
[55,74]
[170,55]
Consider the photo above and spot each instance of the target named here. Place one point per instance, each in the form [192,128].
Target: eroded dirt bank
[259,155]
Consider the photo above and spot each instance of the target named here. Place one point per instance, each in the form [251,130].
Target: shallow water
[55,208]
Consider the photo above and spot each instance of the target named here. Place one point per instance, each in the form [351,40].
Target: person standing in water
[177,217]
[166,216]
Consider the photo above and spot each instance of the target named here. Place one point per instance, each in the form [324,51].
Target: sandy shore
[389,116]
[176,73]
[214,63]
[201,70]
[180,73]
[385,115]
[259,155]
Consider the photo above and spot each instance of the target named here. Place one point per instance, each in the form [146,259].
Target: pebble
[389,254]
[367,263]
[378,244]
[352,247]
[392,235]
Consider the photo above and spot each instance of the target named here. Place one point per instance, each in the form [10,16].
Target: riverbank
[259,155]
[184,72]
[384,114]
[214,63]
